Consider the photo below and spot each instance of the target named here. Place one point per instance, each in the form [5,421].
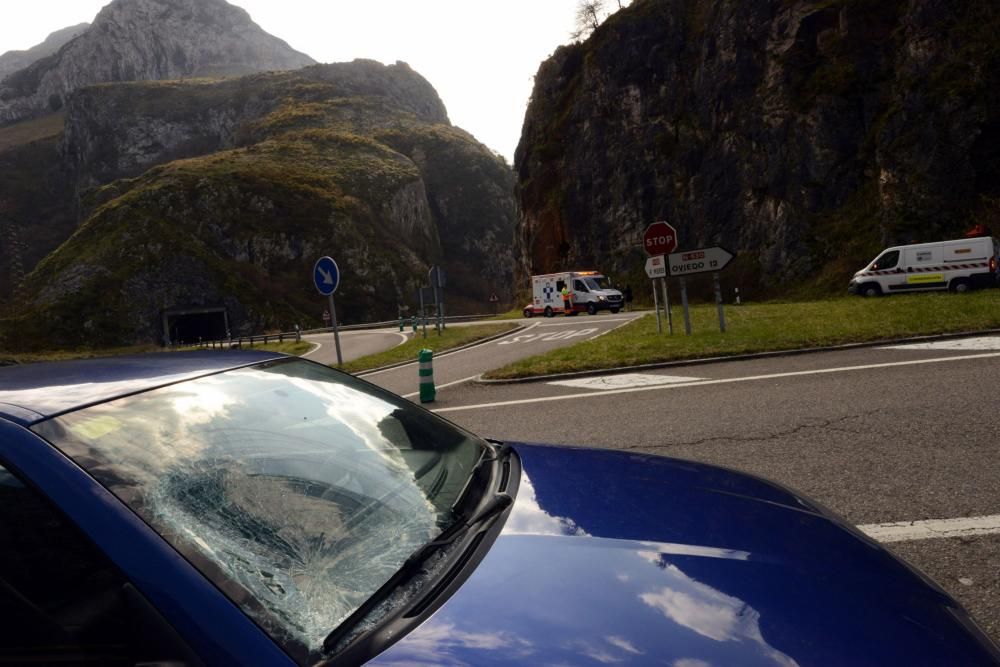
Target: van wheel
[614,311]
[548,311]
[528,312]
[871,289]
[591,309]
[960,286]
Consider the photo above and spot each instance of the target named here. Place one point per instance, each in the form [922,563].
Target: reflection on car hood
[630,559]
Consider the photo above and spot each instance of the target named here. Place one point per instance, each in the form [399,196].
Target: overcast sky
[479,55]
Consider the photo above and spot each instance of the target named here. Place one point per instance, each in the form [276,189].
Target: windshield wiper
[494,507]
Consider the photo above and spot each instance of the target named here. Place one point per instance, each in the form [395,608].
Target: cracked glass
[296,489]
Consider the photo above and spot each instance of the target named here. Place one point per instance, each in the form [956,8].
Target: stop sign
[660,238]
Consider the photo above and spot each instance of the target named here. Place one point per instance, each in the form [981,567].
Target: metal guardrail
[239,342]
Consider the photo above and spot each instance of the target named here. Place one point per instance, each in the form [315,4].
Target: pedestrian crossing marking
[624,380]
[978,343]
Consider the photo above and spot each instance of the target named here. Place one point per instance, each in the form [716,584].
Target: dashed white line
[905,531]
[704,383]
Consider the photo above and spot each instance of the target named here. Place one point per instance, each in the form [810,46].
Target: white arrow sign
[656,267]
[327,276]
[702,260]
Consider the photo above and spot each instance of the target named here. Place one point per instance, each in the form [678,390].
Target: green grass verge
[768,327]
[449,339]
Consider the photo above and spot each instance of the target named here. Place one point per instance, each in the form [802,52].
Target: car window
[579,286]
[887,260]
[61,600]
[298,490]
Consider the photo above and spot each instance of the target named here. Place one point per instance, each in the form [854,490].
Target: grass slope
[769,327]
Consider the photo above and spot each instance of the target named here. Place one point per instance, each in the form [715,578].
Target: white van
[958,265]
[590,292]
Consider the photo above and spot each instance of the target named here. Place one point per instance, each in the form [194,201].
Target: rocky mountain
[805,134]
[138,40]
[223,193]
[12,61]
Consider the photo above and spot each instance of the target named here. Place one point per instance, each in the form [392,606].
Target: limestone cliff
[224,193]
[804,134]
[133,40]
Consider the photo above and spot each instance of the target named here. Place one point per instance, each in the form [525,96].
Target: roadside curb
[400,364]
[735,357]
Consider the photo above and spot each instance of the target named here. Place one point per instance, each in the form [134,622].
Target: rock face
[13,61]
[804,134]
[147,40]
[208,194]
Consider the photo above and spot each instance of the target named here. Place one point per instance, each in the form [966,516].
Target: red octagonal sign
[660,238]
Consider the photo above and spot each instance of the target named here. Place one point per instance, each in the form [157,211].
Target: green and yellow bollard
[413,323]
[426,374]
[402,323]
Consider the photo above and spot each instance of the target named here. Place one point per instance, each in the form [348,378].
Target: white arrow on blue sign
[326,275]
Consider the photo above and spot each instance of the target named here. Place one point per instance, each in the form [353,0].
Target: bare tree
[589,14]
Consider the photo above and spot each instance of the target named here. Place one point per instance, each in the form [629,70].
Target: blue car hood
[619,558]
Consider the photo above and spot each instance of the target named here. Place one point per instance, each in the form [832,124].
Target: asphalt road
[353,344]
[878,435]
[539,335]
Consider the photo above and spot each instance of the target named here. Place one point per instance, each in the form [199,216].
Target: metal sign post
[666,305]
[656,267]
[656,305]
[718,302]
[684,301]
[326,277]
[423,310]
[436,278]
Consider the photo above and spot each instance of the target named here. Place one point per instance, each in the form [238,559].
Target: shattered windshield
[299,491]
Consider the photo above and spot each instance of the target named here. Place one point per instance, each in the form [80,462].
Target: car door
[889,272]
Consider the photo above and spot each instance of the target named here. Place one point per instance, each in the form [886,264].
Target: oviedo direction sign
[326,277]
[660,238]
[702,260]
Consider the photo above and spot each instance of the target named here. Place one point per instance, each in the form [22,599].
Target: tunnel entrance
[186,326]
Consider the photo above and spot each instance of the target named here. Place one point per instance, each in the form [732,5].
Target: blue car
[254,509]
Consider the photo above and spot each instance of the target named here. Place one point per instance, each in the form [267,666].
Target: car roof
[32,392]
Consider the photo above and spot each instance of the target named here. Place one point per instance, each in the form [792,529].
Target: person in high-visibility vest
[567,300]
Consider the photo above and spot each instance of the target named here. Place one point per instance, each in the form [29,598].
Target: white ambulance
[590,292]
[958,265]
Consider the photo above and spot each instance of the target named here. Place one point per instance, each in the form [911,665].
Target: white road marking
[545,336]
[315,348]
[596,321]
[603,333]
[704,383]
[979,343]
[905,531]
[367,374]
[443,386]
[624,380]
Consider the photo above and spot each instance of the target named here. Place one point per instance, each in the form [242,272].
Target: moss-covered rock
[356,160]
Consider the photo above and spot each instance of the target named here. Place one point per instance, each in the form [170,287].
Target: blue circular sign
[326,275]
